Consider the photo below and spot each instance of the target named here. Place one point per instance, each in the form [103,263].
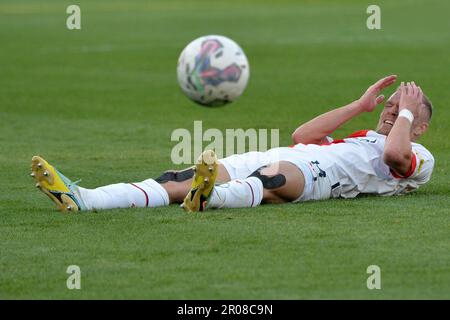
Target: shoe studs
[32,174]
[206,180]
[45,173]
[210,169]
[69,208]
[37,185]
[39,165]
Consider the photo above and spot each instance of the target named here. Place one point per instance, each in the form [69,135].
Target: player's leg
[279,182]
[178,183]
[238,166]
[171,187]
[68,196]
[276,183]
[282,181]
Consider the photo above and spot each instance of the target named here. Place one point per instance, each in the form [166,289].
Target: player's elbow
[396,159]
[300,135]
[295,138]
[297,135]
[299,138]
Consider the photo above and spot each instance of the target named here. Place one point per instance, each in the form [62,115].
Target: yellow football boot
[63,192]
[202,183]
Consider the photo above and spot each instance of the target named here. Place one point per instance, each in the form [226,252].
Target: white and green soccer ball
[213,70]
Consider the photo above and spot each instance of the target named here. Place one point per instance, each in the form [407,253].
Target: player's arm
[397,150]
[317,129]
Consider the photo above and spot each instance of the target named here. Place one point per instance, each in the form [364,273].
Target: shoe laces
[75,183]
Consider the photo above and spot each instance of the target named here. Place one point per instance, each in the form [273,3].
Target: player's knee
[176,176]
[282,182]
[270,196]
[273,182]
[270,179]
[176,190]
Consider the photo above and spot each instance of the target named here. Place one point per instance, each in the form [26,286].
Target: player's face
[389,114]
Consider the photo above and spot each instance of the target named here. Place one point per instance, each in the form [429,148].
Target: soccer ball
[213,70]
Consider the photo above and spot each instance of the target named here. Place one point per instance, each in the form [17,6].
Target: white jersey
[340,168]
[355,165]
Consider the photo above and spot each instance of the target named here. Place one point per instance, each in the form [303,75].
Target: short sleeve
[422,164]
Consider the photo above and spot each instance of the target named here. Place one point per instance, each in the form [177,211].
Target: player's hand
[371,98]
[410,98]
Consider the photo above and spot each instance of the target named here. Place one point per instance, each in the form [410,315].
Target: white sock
[148,193]
[237,194]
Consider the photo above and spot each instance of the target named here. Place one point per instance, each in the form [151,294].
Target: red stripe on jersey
[410,171]
[358,134]
[332,142]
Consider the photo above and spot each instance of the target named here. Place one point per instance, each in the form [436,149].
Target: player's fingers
[408,88]
[402,88]
[388,83]
[418,92]
[420,95]
[379,99]
[414,89]
[392,77]
[378,85]
[385,82]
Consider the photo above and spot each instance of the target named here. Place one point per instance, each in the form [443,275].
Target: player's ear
[420,129]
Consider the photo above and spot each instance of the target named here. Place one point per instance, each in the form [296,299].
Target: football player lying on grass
[386,161]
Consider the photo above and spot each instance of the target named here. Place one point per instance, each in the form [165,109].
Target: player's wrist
[359,106]
[407,114]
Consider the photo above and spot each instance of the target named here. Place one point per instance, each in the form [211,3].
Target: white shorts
[240,166]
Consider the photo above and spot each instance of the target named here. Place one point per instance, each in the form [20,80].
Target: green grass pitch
[100,103]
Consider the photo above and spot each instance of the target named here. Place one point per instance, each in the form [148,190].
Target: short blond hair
[428,107]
